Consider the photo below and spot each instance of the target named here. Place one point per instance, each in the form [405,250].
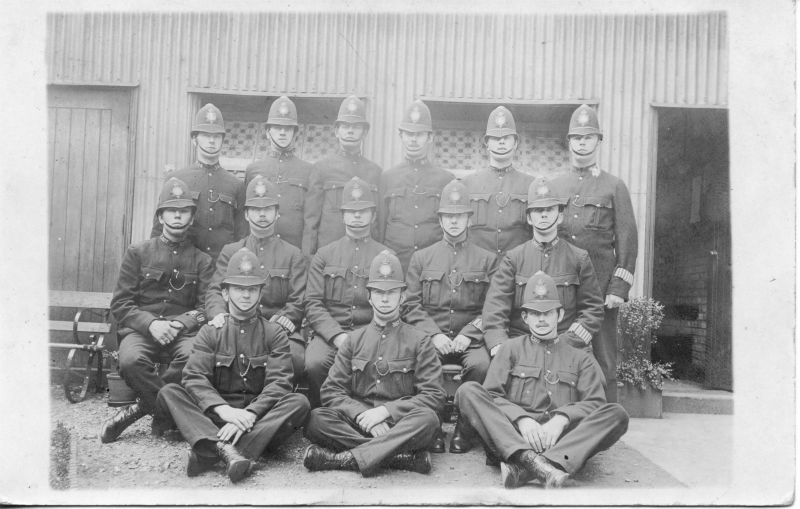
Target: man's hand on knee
[368,419]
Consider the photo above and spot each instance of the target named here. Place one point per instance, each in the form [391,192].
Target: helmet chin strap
[583,160]
[248,310]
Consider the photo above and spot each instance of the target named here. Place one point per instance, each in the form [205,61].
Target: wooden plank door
[89,177]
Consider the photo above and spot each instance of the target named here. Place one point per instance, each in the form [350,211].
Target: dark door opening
[692,263]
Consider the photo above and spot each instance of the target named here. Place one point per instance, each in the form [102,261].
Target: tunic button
[454,291]
[209,175]
[576,216]
[147,275]
[356,249]
[416,225]
[170,290]
[262,266]
[549,393]
[453,270]
[211,209]
[355,267]
[377,381]
[499,230]
[416,247]
[218,363]
[405,369]
[577,196]
[208,248]
[354,307]
[209,228]
[278,235]
[522,374]
[500,211]
[380,358]
[416,206]
[355,286]
[174,252]
[451,311]
[175,271]
[547,352]
[279,196]
[383,336]
[546,255]
[573,236]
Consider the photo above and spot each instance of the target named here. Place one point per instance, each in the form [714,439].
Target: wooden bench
[89,337]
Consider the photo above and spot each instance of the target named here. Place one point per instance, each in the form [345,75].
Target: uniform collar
[457,245]
[537,341]
[507,169]
[243,323]
[544,246]
[287,153]
[209,167]
[172,244]
[592,168]
[422,161]
[354,240]
[260,241]
[388,326]
[350,155]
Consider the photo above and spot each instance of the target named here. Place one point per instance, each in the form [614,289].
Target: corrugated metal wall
[625,62]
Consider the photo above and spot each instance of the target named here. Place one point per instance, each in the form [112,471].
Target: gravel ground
[138,460]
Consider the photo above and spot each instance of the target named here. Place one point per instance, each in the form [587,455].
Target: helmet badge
[540,290]
[583,118]
[261,188]
[455,196]
[415,114]
[246,267]
[542,191]
[211,117]
[501,120]
[385,269]
[352,106]
[177,191]
[357,193]
[283,109]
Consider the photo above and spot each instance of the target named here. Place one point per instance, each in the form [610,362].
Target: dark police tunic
[540,379]
[409,200]
[447,285]
[245,364]
[329,178]
[393,366]
[283,292]
[336,301]
[292,178]
[158,280]
[575,280]
[220,197]
[499,199]
[599,218]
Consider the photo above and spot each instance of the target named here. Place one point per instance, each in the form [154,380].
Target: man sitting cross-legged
[235,398]
[383,391]
[542,408]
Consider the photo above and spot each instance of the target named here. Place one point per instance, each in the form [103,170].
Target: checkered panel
[316,141]
[462,152]
[242,139]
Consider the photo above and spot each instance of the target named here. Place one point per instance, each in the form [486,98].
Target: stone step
[684,397]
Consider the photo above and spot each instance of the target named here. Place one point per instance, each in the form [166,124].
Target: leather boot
[540,468]
[437,445]
[198,464]
[236,466]
[113,427]
[417,461]
[491,459]
[514,474]
[318,458]
[460,443]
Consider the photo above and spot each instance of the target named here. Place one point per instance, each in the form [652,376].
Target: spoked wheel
[78,373]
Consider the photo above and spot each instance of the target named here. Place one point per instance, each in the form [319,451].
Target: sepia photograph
[361,253]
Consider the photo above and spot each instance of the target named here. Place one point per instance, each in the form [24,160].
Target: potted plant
[639,380]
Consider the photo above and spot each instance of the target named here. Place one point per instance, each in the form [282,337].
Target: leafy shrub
[637,323]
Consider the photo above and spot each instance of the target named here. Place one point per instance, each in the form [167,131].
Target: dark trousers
[319,359]
[580,441]
[200,429]
[137,358]
[330,428]
[604,347]
[475,361]
[298,349]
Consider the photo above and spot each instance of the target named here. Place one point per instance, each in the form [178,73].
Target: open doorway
[691,257]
